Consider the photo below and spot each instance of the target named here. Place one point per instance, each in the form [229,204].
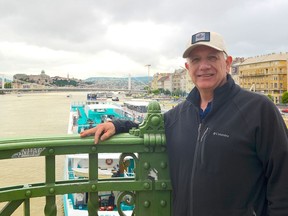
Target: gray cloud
[71,33]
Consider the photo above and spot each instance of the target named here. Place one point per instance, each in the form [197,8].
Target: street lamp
[148,68]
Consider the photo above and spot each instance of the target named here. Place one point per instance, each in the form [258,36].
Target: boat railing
[149,190]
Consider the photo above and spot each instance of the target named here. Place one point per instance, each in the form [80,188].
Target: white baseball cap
[210,39]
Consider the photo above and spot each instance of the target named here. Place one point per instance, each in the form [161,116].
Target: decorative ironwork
[128,198]
[149,190]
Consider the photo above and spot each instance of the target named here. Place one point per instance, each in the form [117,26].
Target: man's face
[207,68]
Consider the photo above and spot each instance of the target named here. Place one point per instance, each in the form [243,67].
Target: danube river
[32,115]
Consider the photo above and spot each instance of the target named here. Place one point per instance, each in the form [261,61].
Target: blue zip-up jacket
[234,162]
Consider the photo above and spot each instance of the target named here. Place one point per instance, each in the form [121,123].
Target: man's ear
[187,65]
[228,62]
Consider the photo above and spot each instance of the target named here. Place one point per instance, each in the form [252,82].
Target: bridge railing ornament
[148,191]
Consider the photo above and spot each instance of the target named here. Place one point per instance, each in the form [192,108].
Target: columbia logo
[220,134]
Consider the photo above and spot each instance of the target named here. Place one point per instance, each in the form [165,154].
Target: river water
[32,115]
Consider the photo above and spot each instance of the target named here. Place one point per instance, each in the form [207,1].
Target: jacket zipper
[194,167]
[200,140]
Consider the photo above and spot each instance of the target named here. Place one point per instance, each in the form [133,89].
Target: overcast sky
[85,38]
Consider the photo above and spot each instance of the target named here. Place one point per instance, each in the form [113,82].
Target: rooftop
[266,58]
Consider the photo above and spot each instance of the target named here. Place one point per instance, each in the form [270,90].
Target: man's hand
[102,131]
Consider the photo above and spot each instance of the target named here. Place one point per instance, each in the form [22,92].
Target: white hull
[76,166]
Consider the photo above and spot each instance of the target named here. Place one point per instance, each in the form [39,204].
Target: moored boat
[76,167]
[85,115]
[138,109]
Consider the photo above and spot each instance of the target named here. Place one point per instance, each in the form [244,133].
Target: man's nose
[204,64]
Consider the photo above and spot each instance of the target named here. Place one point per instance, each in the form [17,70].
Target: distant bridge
[69,89]
[63,89]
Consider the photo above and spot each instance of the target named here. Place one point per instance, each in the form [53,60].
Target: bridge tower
[129,82]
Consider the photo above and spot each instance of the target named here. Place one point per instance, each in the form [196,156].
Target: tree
[8,85]
[156,91]
[65,83]
[161,90]
[285,97]
[178,93]
[167,92]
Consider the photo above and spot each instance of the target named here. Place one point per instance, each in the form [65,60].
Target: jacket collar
[220,93]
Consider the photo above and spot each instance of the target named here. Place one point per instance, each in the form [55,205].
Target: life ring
[109,161]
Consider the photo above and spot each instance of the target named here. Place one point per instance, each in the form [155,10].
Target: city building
[41,79]
[189,85]
[178,80]
[161,81]
[165,82]
[265,74]
[235,68]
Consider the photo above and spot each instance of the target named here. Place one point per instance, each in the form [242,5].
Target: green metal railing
[150,196]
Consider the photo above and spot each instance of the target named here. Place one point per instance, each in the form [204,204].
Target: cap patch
[201,36]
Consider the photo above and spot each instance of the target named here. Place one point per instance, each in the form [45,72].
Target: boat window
[99,110]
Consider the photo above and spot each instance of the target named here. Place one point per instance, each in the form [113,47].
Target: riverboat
[76,167]
[85,115]
[138,109]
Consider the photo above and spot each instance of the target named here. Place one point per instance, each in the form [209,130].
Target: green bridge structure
[151,196]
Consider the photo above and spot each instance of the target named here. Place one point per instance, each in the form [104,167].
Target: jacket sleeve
[123,126]
[272,149]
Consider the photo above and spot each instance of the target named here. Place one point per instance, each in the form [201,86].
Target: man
[227,147]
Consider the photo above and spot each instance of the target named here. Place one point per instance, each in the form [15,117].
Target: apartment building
[165,82]
[178,80]
[155,84]
[265,74]
[189,84]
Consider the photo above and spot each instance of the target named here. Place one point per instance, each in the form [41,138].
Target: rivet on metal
[28,193]
[93,148]
[93,187]
[146,204]
[146,185]
[51,151]
[146,149]
[164,185]
[146,165]
[51,190]
[163,203]
[163,165]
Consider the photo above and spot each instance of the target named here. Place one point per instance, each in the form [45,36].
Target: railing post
[93,178]
[155,198]
[27,207]
[50,207]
